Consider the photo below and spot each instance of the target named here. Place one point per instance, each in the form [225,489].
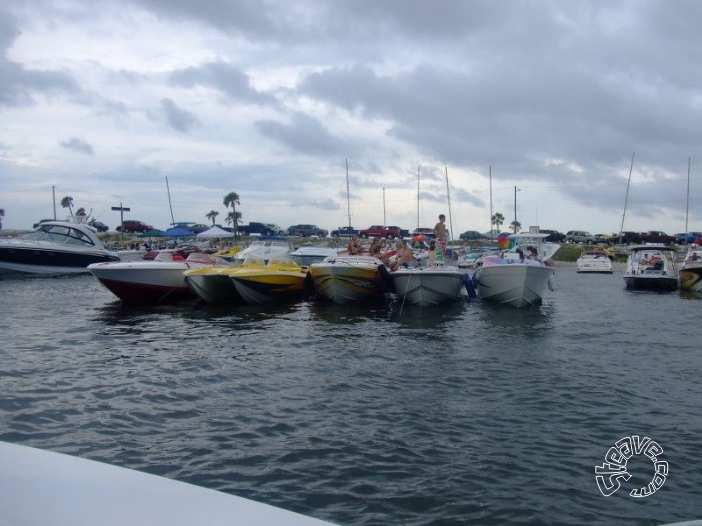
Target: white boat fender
[552,283]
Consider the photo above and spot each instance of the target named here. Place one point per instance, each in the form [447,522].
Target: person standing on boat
[440,231]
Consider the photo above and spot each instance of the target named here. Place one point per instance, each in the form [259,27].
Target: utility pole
[122,210]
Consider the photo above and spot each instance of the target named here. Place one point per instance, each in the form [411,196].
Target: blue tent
[178,232]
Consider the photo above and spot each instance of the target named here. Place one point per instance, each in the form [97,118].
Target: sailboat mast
[348,195]
[491,223]
[418,197]
[626,198]
[448,195]
[169,200]
[687,206]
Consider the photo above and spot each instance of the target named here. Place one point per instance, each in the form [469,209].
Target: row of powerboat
[270,269]
[650,267]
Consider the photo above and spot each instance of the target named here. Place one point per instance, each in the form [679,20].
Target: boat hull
[428,286]
[213,285]
[144,281]
[266,285]
[514,285]
[349,279]
[655,282]
[17,257]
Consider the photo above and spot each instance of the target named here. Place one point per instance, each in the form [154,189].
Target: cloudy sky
[106,101]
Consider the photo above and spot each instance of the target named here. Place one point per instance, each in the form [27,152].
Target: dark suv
[554,236]
[264,229]
[131,225]
[307,230]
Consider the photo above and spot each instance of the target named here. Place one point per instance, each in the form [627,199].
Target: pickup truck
[264,229]
[344,231]
[656,236]
[380,231]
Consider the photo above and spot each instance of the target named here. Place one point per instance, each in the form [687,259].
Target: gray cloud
[17,84]
[223,77]
[178,118]
[78,145]
[304,135]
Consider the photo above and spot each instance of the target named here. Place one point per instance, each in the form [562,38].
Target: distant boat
[54,247]
[651,267]
[305,255]
[691,270]
[594,262]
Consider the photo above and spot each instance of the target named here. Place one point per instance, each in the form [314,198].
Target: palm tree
[2,214]
[498,219]
[81,212]
[67,202]
[211,215]
[232,198]
[516,226]
[233,217]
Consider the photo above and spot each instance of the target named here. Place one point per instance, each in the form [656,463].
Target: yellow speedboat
[281,279]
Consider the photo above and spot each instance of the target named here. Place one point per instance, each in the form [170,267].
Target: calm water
[468,414]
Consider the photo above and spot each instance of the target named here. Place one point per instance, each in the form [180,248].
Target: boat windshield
[283,262]
[62,234]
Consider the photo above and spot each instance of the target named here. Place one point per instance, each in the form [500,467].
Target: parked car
[98,225]
[471,235]
[380,231]
[628,238]
[580,236]
[132,225]
[656,236]
[403,231]
[264,229]
[344,231]
[554,236]
[687,238]
[307,230]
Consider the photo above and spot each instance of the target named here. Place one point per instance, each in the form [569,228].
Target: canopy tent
[214,233]
[178,232]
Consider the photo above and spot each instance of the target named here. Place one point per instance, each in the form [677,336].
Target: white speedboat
[54,247]
[426,286]
[265,248]
[345,279]
[44,487]
[158,280]
[691,270]
[595,262]
[651,267]
[305,255]
[515,281]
